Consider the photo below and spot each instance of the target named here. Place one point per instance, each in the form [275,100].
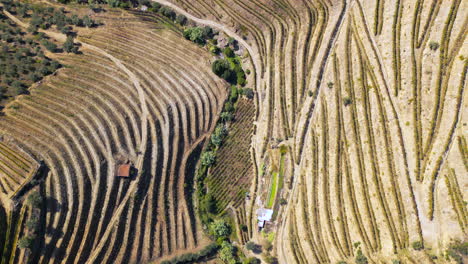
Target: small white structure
[263,215]
[144,8]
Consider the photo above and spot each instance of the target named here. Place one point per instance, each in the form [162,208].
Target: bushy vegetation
[360,258]
[229,68]
[457,251]
[199,35]
[22,59]
[417,245]
[208,251]
[44,17]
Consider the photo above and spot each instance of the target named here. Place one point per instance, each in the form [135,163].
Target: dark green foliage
[360,258]
[198,35]
[417,245]
[35,199]
[208,158]
[68,45]
[220,229]
[88,22]
[208,251]
[220,66]
[167,12]
[229,52]
[252,260]
[227,253]
[155,7]
[25,242]
[19,88]
[209,204]
[248,92]
[226,116]
[50,46]
[31,224]
[234,93]
[457,251]
[347,101]
[283,201]
[181,19]
[433,45]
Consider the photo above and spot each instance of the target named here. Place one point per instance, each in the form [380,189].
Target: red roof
[124,170]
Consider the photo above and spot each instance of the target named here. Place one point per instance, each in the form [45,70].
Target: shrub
[19,87]
[252,260]
[283,201]
[226,116]
[228,107]
[220,229]
[269,259]
[347,101]
[25,242]
[35,199]
[214,50]
[68,44]
[208,158]
[248,92]
[49,46]
[209,203]
[208,32]
[155,7]
[417,245]
[233,95]
[360,258]
[227,252]
[220,66]
[181,19]
[433,45]
[330,85]
[31,224]
[250,246]
[229,52]
[88,22]
[167,12]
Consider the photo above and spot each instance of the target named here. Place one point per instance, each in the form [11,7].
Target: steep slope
[138,93]
[370,97]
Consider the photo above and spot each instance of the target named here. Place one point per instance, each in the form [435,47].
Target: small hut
[123,170]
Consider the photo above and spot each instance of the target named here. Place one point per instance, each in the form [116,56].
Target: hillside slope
[370,98]
[140,94]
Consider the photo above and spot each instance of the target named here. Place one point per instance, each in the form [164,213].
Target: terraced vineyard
[16,169]
[370,96]
[356,137]
[139,93]
[230,179]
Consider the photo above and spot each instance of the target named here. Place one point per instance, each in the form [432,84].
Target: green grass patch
[273,190]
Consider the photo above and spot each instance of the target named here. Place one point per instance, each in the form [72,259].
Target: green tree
[181,19]
[220,66]
[229,52]
[88,22]
[19,87]
[209,203]
[208,158]
[219,228]
[226,116]
[68,44]
[248,92]
[252,260]
[227,253]
[25,242]
[49,46]
[35,199]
